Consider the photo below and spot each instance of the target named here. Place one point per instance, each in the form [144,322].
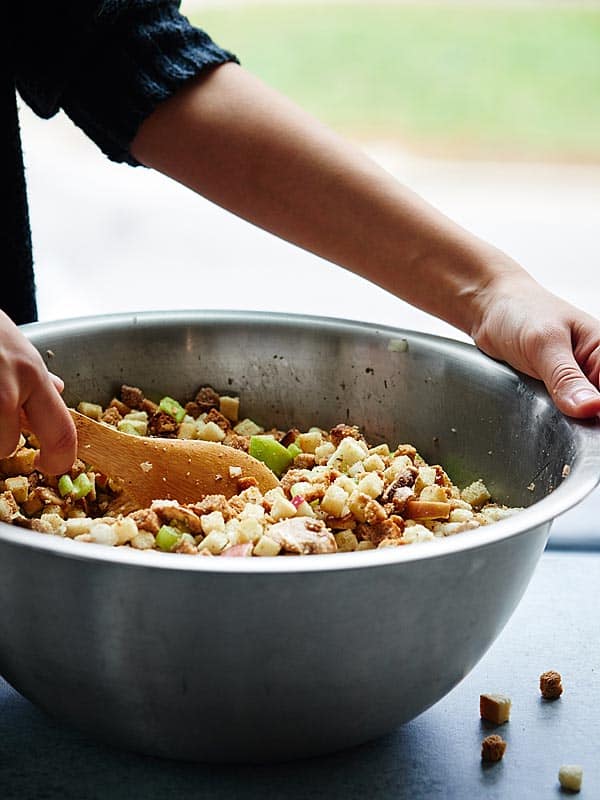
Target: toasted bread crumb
[493,748]
[551,685]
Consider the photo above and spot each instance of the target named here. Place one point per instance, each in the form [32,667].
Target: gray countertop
[579,528]
[556,626]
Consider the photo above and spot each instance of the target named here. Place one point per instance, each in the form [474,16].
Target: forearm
[247,148]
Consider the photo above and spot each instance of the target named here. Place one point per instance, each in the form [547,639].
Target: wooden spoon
[152,468]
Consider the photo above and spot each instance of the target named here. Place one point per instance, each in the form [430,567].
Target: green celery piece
[270,452]
[167,537]
[82,486]
[294,450]
[172,408]
[65,485]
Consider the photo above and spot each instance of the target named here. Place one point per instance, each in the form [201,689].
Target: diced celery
[65,485]
[82,486]
[172,408]
[167,537]
[294,450]
[270,452]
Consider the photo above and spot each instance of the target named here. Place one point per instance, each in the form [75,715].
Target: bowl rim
[582,479]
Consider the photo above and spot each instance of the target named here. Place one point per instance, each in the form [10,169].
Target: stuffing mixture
[337,492]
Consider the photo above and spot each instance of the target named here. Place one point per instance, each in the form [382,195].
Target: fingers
[30,395]
[59,384]
[44,414]
[570,389]
[10,427]
[48,416]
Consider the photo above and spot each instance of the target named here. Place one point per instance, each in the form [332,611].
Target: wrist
[501,279]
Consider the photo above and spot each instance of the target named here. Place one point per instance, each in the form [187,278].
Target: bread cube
[334,500]
[19,486]
[214,542]
[266,547]
[212,522]
[346,541]
[371,484]
[570,777]
[495,708]
[308,442]
[476,494]
[91,410]
[229,407]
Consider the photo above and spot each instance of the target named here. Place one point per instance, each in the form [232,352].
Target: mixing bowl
[277,658]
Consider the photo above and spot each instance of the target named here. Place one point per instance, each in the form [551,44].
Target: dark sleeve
[109,64]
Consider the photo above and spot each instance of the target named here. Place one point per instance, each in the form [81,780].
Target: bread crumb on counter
[551,685]
[493,748]
[494,708]
[570,777]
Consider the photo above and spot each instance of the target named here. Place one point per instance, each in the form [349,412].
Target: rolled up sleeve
[108,65]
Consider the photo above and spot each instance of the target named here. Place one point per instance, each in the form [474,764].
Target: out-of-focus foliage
[447,79]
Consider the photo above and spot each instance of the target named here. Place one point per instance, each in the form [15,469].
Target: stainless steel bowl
[263,659]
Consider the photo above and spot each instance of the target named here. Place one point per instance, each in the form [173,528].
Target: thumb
[572,392]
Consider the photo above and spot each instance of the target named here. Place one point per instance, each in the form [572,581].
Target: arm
[247,148]
[107,65]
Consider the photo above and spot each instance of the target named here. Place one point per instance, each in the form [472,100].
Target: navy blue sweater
[107,64]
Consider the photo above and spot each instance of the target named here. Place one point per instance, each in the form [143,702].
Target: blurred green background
[506,81]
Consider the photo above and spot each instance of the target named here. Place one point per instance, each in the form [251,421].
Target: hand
[545,337]
[30,395]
